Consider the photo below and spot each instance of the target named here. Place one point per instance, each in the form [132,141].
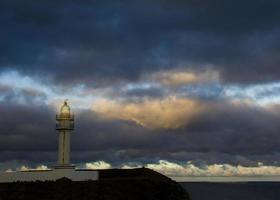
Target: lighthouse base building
[64,169]
[48,175]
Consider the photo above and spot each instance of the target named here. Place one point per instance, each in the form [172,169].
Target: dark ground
[114,184]
[234,191]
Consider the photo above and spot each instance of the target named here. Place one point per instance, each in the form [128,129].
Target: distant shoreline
[227,179]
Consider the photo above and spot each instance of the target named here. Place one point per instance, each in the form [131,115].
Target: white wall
[51,175]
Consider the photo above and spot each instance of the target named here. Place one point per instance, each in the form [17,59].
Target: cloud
[189,169]
[177,78]
[98,165]
[40,167]
[167,127]
[223,133]
[185,169]
[114,42]
[167,113]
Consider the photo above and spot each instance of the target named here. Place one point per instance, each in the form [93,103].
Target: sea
[232,188]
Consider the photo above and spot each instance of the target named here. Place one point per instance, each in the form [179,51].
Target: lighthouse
[64,168]
[64,127]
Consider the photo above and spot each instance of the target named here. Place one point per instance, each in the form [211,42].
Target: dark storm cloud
[26,128]
[107,41]
[224,133]
[239,129]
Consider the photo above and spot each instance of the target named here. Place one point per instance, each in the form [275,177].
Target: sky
[185,87]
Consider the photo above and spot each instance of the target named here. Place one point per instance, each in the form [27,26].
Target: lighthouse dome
[65,109]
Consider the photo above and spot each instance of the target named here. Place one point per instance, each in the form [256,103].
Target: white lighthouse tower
[65,127]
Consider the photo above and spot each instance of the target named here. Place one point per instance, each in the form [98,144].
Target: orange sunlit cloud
[167,113]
